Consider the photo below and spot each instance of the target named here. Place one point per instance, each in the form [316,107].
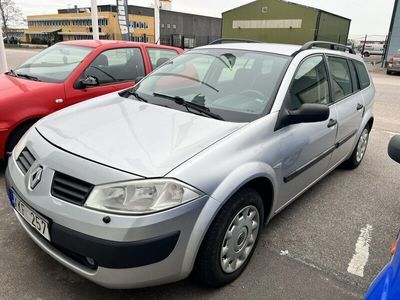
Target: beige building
[76,24]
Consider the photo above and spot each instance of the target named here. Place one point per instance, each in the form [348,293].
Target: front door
[114,69]
[306,148]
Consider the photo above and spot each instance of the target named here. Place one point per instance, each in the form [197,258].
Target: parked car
[68,73]
[394,63]
[373,49]
[179,174]
[386,285]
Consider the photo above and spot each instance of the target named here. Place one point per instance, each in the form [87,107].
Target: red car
[68,73]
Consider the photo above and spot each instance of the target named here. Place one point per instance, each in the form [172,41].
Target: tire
[213,252]
[358,153]
[366,54]
[389,72]
[16,135]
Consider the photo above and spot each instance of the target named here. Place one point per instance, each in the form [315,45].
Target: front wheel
[359,151]
[231,239]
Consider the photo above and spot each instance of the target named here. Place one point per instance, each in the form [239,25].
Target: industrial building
[393,43]
[278,21]
[176,28]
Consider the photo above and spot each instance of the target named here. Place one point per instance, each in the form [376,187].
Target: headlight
[141,196]
[21,144]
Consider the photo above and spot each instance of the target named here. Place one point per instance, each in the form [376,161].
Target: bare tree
[10,15]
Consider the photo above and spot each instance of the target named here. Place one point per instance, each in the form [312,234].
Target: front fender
[240,177]
[229,186]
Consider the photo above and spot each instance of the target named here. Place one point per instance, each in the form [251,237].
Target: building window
[162,25]
[168,25]
[174,26]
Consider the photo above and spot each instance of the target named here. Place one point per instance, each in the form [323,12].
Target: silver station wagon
[179,174]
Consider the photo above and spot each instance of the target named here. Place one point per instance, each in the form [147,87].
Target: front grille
[25,160]
[70,189]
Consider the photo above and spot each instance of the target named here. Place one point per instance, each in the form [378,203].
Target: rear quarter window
[363,76]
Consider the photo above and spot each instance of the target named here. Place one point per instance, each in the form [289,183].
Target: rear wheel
[231,239]
[359,151]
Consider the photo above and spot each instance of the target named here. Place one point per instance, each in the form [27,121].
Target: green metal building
[278,21]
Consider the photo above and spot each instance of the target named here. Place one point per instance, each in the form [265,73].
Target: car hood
[132,136]
[14,87]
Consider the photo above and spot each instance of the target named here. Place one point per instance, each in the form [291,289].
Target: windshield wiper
[30,77]
[137,96]
[12,73]
[189,105]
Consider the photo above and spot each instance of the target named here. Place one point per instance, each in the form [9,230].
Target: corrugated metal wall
[277,21]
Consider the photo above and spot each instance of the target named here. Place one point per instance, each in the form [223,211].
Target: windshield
[236,85]
[54,64]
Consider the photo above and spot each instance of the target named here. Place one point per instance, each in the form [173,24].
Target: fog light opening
[91,262]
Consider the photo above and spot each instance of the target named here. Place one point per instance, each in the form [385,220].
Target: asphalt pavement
[303,253]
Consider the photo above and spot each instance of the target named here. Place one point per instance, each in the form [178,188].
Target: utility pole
[3,59]
[95,20]
[363,47]
[157,21]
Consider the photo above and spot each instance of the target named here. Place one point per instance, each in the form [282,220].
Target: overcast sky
[368,16]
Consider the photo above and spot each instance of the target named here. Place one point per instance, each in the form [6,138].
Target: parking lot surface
[303,253]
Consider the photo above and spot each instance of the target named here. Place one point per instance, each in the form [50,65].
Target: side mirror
[308,113]
[394,148]
[87,82]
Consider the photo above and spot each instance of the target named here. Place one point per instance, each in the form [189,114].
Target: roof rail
[229,40]
[332,46]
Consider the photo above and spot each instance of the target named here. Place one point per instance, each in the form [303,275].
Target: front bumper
[129,251]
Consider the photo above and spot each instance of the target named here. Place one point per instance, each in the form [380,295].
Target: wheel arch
[262,180]
[29,121]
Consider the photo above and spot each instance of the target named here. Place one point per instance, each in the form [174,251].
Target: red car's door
[114,69]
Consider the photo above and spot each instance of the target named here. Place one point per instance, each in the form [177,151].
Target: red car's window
[159,56]
[117,65]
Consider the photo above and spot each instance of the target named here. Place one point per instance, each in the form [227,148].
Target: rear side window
[310,84]
[362,74]
[354,78]
[160,56]
[341,77]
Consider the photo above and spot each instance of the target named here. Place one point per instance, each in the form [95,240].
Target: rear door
[115,69]
[349,104]
[306,148]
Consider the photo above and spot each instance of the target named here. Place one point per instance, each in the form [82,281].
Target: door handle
[360,106]
[331,123]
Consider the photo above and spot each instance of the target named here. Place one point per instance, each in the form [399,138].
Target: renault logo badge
[35,177]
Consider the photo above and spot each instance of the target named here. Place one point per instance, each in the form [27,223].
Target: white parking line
[360,257]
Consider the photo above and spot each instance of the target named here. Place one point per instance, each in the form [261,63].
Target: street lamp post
[157,21]
[3,59]
[95,22]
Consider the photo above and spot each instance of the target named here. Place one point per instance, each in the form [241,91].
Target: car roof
[110,43]
[283,49]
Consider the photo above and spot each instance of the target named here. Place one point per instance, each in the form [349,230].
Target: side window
[310,84]
[160,56]
[354,78]
[362,74]
[341,77]
[117,65]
